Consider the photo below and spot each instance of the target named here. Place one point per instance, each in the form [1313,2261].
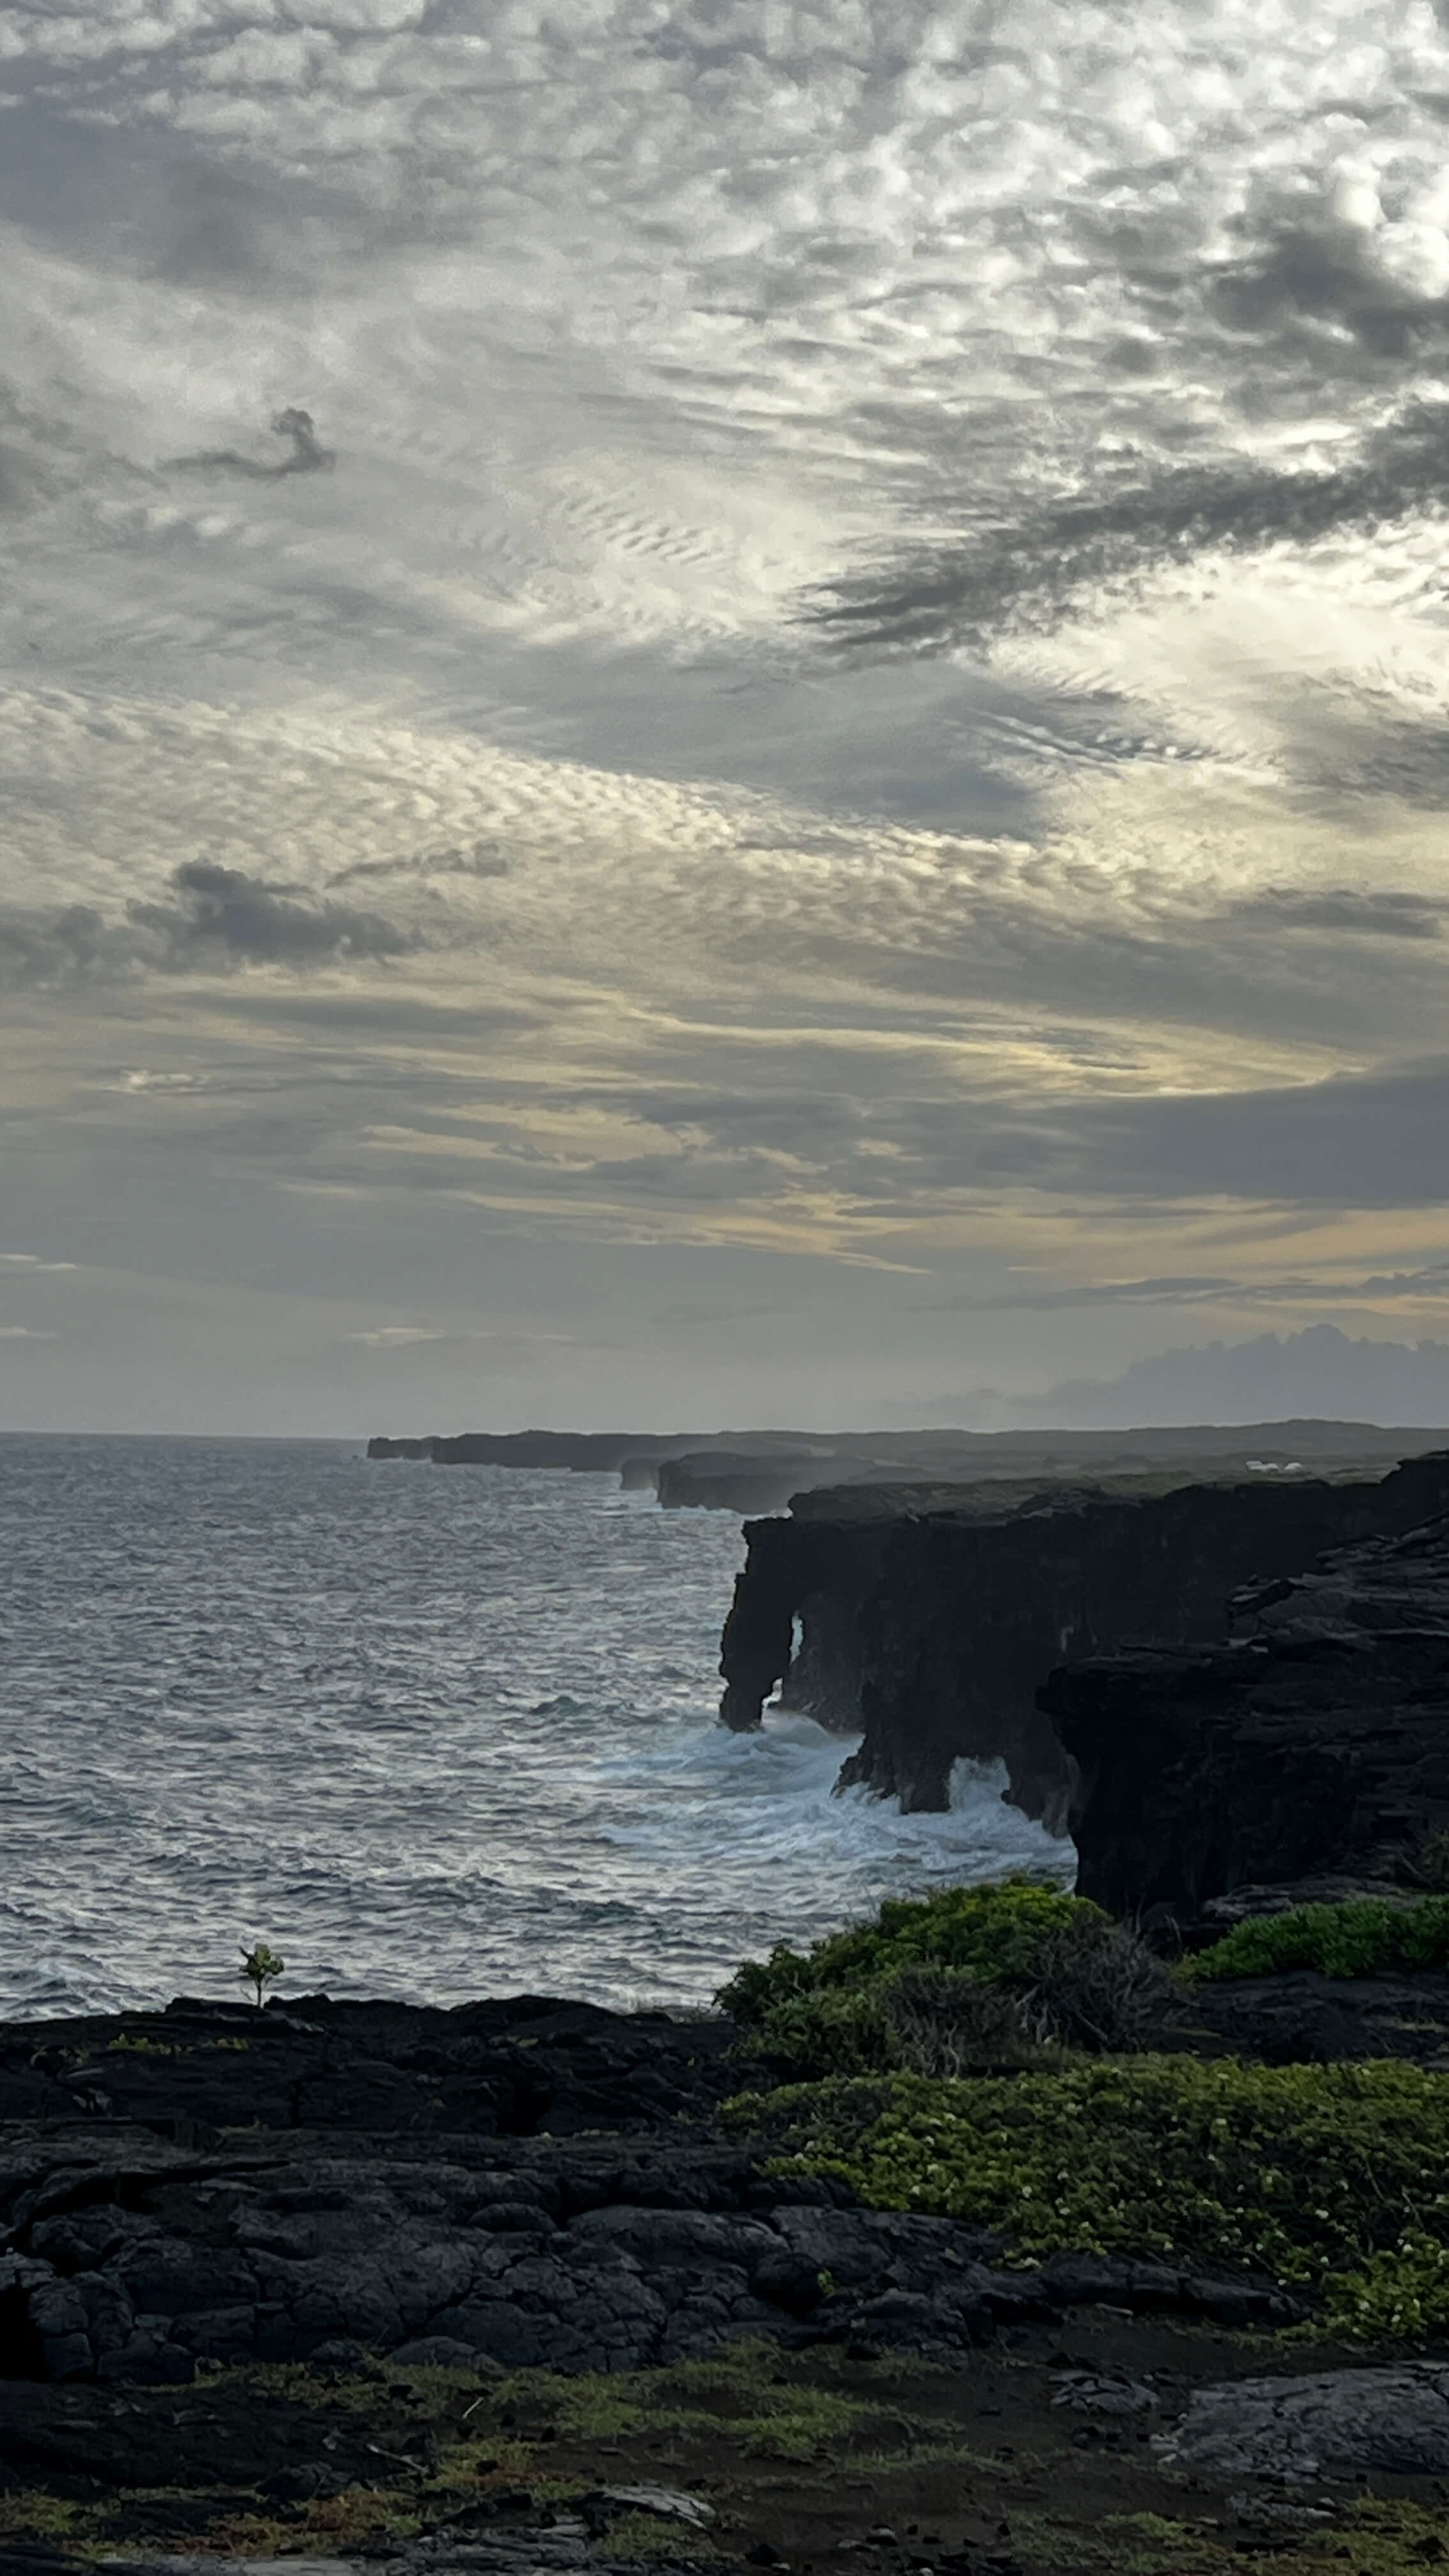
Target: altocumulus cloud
[543,859]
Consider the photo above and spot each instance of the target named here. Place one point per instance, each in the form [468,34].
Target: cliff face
[1314,1744]
[795,1620]
[934,1631]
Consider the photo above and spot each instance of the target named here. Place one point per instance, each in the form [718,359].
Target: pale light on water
[430,1732]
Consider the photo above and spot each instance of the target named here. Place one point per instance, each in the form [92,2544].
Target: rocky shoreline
[761,1471]
[545,2187]
[526,2285]
[495,2289]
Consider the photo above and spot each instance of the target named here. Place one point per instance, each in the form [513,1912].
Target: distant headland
[760,1471]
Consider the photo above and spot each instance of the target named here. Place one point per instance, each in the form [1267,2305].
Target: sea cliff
[931,1630]
[1312,1745]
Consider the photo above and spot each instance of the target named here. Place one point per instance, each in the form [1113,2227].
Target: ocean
[430,1732]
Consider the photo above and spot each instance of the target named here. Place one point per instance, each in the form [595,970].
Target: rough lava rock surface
[1328,2423]
[139,2239]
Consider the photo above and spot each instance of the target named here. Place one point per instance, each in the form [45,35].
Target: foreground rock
[216,2185]
[934,1629]
[329,2282]
[131,2261]
[1315,1742]
[507,2068]
[1329,2423]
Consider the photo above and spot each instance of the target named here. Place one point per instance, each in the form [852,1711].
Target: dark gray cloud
[61,945]
[1368,1141]
[215,920]
[307,456]
[1033,569]
[251,922]
[1377,1140]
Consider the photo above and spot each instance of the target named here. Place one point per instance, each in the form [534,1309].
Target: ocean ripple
[434,1733]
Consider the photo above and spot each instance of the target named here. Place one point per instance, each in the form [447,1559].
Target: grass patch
[28,2513]
[741,2399]
[644,2538]
[358,2518]
[1365,1936]
[1367,2539]
[1378,2538]
[1332,2178]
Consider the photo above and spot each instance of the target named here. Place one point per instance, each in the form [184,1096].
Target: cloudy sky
[715,711]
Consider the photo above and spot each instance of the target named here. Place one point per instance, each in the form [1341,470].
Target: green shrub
[260,1966]
[927,2020]
[993,1931]
[1335,2178]
[1363,1937]
[973,1977]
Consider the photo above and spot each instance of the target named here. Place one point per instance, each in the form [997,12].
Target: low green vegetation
[970,1977]
[1366,1936]
[1333,2178]
[746,2397]
[1368,2538]
[992,1931]
[425,2448]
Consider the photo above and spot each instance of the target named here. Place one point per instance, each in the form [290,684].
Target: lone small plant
[259,1966]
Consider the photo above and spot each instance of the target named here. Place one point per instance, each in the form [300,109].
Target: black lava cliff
[933,1630]
[1314,1744]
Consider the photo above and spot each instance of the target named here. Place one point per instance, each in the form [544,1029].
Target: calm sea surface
[431,1732]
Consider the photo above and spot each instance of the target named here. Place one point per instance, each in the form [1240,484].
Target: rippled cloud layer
[724,709]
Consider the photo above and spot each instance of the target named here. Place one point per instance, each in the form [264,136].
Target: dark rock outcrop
[214,2184]
[933,1629]
[1326,2424]
[520,2066]
[734,1480]
[1314,1742]
[581,1452]
[795,1620]
[1303,2019]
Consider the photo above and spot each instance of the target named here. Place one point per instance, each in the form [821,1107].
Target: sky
[715,713]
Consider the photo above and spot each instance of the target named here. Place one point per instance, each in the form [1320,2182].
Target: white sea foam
[430,1732]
